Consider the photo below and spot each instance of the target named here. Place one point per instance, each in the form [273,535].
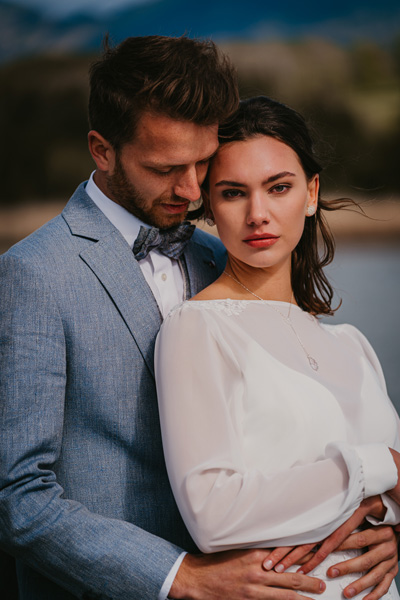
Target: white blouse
[262,450]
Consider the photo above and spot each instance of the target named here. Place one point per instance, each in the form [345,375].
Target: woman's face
[259,195]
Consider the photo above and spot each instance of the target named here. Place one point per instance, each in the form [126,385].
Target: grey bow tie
[170,242]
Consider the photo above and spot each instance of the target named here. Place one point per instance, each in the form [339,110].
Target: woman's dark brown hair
[264,116]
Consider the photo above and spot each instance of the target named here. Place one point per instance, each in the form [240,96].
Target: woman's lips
[261,241]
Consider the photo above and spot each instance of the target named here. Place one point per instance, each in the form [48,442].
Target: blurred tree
[44,125]
[350,96]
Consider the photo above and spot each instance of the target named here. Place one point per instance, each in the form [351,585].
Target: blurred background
[338,63]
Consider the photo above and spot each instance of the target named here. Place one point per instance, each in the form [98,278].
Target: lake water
[367,278]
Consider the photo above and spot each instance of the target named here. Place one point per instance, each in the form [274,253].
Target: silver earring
[209,221]
[310,210]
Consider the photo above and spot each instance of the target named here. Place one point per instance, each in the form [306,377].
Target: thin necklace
[313,363]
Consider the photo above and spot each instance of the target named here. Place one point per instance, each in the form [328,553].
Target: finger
[272,593]
[368,537]
[295,581]
[280,594]
[377,555]
[378,591]
[332,542]
[275,556]
[295,557]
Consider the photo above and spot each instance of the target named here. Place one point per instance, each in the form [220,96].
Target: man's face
[158,174]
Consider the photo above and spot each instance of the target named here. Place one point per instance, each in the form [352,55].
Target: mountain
[26,32]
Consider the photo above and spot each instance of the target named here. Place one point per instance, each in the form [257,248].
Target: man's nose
[187,185]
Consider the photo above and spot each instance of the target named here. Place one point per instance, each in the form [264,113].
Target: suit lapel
[113,263]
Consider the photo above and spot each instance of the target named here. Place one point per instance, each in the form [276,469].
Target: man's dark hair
[182,78]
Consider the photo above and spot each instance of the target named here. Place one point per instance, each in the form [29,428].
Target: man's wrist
[184,585]
[169,580]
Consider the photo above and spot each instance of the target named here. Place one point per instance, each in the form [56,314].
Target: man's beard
[123,192]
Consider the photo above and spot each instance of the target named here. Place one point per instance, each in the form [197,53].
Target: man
[85,503]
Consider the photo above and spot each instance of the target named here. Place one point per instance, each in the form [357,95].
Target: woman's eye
[280,188]
[232,193]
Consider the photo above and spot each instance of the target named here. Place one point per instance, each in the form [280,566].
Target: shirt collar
[126,223]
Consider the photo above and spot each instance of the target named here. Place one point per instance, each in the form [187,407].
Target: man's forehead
[159,134]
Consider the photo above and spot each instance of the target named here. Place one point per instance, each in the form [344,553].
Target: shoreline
[381,225]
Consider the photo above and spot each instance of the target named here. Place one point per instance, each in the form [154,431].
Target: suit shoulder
[208,240]
[42,245]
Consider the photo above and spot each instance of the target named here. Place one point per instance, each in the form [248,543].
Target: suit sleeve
[87,554]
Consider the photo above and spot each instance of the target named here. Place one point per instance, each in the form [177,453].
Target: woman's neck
[266,283]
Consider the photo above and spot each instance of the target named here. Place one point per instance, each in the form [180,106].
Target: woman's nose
[258,210]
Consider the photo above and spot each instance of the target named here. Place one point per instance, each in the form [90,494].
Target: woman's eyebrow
[279,175]
[269,180]
[232,183]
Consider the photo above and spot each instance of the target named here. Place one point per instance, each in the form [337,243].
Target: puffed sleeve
[226,503]
[392,515]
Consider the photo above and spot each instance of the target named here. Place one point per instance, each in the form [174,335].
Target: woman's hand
[379,562]
[284,557]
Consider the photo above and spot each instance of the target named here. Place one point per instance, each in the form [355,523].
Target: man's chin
[165,222]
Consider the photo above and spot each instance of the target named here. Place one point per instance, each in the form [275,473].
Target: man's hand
[238,575]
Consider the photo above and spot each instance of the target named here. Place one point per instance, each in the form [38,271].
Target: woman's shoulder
[352,336]
[203,306]
[345,330]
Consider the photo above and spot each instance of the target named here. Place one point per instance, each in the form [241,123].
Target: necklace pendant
[286,319]
[313,363]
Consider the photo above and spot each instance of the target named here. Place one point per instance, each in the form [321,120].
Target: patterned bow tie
[170,242]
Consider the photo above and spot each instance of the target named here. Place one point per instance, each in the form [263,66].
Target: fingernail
[350,592]
[268,565]
[279,568]
[322,586]
[334,572]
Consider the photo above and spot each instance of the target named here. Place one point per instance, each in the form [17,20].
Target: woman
[275,425]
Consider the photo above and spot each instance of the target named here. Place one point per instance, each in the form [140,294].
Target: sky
[65,7]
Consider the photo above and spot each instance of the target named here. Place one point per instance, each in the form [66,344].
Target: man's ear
[102,152]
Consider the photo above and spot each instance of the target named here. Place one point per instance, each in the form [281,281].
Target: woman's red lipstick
[261,240]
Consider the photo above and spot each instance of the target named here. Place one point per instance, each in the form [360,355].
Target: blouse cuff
[380,472]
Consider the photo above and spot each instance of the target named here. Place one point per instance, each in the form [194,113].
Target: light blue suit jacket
[85,503]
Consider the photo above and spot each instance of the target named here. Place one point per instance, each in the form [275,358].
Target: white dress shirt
[163,274]
[164,277]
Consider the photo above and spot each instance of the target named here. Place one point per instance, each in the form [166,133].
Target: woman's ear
[102,152]
[312,196]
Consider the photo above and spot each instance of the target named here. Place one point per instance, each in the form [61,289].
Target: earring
[209,221]
[310,210]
